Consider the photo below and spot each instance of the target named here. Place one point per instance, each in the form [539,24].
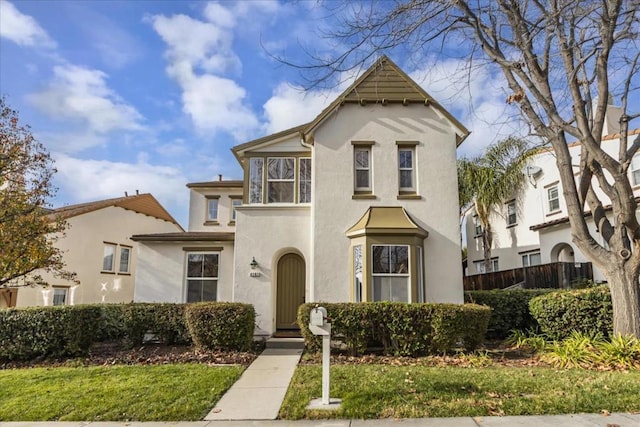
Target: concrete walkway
[259,392]
[575,420]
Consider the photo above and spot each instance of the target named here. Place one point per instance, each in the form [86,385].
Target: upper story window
[280,179]
[553,198]
[212,208]
[286,180]
[362,162]
[202,276]
[256,167]
[304,184]
[511,213]
[406,169]
[635,170]
[125,258]
[235,202]
[108,257]
[477,225]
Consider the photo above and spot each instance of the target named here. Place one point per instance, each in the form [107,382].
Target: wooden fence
[555,275]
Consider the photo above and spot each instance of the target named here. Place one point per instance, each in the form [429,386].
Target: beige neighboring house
[98,248]
[534,229]
[360,204]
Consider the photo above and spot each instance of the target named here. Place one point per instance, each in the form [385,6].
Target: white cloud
[290,106]
[89,180]
[79,93]
[22,29]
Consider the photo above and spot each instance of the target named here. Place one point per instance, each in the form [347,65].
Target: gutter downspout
[311,294]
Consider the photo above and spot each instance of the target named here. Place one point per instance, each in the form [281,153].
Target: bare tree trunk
[487,242]
[625,296]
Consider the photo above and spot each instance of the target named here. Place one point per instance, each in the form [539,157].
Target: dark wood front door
[290,290]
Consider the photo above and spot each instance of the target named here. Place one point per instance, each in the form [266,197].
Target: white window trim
[515,214]
[187,277]
[211,199]
[479,265]
[260,195]
[300,181]
[357,149]
[66,295]
[412,169]
[528,257]
[128,270]
[291,180]
[407,274]
[557,198]
[104,255]
[635,168]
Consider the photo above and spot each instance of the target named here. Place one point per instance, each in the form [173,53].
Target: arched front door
[290,290]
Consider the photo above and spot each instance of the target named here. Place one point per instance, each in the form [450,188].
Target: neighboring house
[359,204]
[534,229]
[98,248]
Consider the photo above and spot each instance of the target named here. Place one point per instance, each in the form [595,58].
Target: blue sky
[151,95]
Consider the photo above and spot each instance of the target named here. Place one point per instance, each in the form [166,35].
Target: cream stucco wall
[198,209]
[266,233]
[334,210]
[83,248]
[160,276]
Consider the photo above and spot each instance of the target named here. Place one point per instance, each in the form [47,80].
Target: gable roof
[383,83]
[144,204]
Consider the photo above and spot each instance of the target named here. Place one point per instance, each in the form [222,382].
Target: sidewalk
[574,420]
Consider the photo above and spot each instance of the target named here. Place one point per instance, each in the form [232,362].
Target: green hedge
[221,326]
[401,329]
[34,332]
[510,309]
[588,311]
[165,321]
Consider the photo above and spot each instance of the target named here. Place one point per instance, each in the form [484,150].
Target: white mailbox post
[319,325]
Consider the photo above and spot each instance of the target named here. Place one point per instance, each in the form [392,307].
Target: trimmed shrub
[111,324]
[510,309]
[587,311]
[29,333]
[165,321]
[400,328]
[221,325]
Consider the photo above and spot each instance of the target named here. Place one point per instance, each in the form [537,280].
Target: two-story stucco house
[97,246]
[359,204]
[534,228]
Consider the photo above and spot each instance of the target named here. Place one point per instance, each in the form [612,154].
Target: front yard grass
[383,391]
[113,393]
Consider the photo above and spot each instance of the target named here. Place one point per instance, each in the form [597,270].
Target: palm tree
[486,182]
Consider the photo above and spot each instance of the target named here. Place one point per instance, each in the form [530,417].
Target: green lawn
[114,393]
[382,391]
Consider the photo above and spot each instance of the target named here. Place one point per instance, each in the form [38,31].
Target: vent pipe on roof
[125,194]
[137,193]
[220,177]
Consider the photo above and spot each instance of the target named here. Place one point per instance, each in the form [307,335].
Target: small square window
[108,257]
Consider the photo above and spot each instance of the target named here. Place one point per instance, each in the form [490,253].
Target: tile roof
[187,236]
[144,204]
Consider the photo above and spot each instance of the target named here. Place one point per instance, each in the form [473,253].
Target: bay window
[390,273]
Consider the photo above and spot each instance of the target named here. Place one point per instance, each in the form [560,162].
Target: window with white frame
[390,273]
[125,259]
[635,170]
[553,198]
[511,213]
[531,258]
[357,273]
[304,184]
[362,166]
[60,296]
[202,276]
[234,204]
[256,167]
[482,268]
[406,169]
[212,208]
[281,175]
[109,257]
